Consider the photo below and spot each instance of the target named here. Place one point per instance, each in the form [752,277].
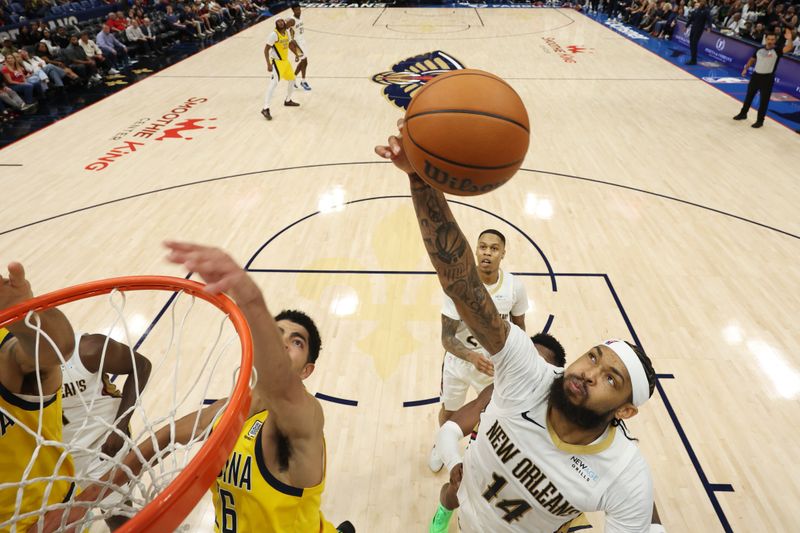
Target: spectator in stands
[47,39]
[757,34]
[8,47]
[698,21]
[37,31]
[150,35]
[34,64]
[202,14]
[789,19]
[115,22]
[61,38]
[665,26]
[222,12]
[749,11]
[94,53]
[25,37]
[75,55]
[15,77]
[734,23]
[10,98]
[115,51]
[191,17]
[134,34]
[175,22]
[744,31]
[766,62]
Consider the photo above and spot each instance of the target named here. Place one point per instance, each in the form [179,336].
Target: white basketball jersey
[90,403]
[299,32]
[519,476]
[509,298]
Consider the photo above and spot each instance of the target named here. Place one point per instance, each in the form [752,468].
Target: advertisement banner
[735,53]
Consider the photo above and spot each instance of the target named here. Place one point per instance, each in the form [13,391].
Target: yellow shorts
[579,523]
[284,69]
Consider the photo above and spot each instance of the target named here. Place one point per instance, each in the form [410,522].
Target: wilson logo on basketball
[145,130]
[409,75]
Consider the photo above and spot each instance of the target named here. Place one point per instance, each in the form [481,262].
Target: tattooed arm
[451,255]
[460,350]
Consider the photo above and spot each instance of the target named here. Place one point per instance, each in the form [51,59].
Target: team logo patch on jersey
[254,430]
[408,76]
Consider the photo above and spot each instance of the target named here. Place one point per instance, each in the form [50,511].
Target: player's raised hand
[220,272]
[14,288]
[484,365]
[393,151]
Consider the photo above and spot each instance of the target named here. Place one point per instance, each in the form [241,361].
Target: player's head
[280,24]
[609,382]
[490,250]
[550,349]
[296,9]
[301,338]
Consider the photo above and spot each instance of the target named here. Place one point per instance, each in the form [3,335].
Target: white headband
[639,384]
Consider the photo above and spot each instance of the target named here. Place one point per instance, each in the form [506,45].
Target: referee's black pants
[762,84]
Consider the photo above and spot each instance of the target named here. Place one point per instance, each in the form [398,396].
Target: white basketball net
[187,379]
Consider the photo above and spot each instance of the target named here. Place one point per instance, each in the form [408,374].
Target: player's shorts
[302,45]
[283,69]
[579,523]
[458,376]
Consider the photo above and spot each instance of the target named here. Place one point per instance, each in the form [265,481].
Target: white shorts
[457,376]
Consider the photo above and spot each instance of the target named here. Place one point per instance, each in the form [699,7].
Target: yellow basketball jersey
[247,497]
[281,47]
[16,449]
[5,335]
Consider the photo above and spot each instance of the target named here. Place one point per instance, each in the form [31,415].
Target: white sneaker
[113,71]
[435,463]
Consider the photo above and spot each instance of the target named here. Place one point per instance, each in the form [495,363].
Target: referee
[766,60]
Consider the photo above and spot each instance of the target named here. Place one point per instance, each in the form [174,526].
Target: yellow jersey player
[30,405]
[274,477]
[276,52]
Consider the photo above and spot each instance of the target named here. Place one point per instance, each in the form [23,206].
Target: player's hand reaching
[393,151]
[220,272]
[14,288]
[113,444]
[484,365]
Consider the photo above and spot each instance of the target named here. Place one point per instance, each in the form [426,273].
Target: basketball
[466,132]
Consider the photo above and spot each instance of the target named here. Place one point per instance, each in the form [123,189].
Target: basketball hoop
[166,510]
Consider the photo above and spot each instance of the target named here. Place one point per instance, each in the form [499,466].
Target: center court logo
[409,75]
[140,134]
[186,125]
[566,53]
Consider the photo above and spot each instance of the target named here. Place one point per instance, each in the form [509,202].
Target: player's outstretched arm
[122,360]
[296,413]
[15,289]
[450,254]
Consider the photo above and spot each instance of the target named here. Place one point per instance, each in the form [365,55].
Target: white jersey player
[551,443]
[466,363]
[295,25]
[93,406]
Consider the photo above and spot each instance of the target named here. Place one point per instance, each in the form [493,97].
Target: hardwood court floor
[659,215]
